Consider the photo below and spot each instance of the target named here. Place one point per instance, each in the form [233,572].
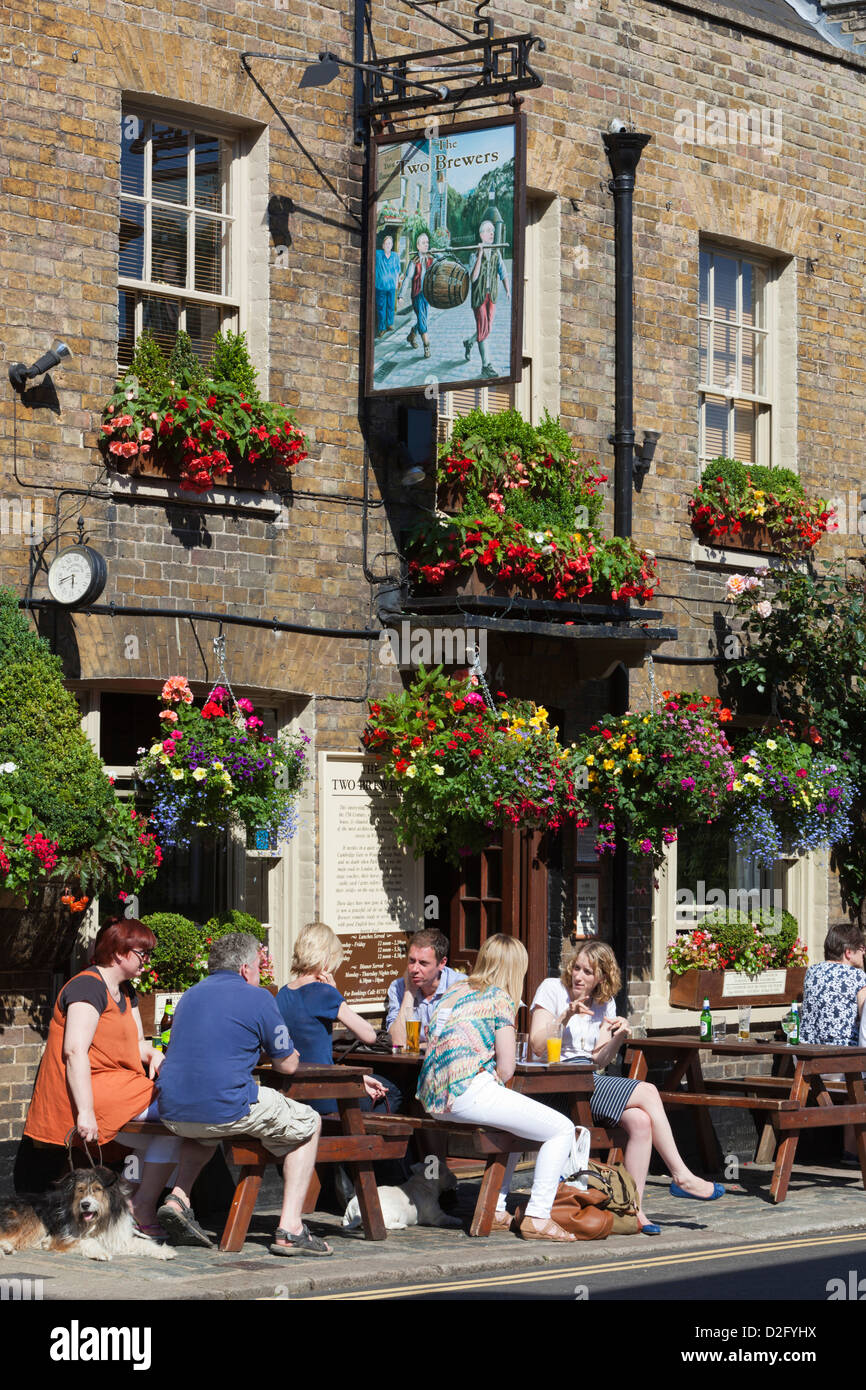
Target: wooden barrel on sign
[446,284]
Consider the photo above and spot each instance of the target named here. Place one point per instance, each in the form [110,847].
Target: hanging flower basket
[463,771]
[212,768]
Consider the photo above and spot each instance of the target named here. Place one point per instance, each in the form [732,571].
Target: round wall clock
[77,576]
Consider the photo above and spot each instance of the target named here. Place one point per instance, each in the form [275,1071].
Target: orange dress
[120,1088]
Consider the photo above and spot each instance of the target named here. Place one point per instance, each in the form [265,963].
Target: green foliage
[180,956]
[781,482]
[184,368]
[149,364]
[231,362]
[730,940]
[58,774]
[235,921]
[730,472]
[809,652]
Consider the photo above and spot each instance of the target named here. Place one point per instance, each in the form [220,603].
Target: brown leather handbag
[582,1218]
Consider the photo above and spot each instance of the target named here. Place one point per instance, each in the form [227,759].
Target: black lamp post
[623,149]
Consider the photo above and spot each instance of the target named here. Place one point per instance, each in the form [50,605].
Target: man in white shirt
[417,992]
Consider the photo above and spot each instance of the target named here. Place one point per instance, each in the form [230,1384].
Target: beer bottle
[167,1020]
[706,1022]
[794,1028]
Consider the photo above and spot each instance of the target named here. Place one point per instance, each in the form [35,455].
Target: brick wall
[25,1011]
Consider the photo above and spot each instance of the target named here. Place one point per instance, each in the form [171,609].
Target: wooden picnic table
[781,1100]
[357,1140]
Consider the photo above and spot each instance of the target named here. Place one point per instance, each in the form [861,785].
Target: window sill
[267,505]
[713,558]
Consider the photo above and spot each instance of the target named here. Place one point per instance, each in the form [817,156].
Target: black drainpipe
[623,150]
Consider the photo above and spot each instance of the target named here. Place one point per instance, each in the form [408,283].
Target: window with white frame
[178,233]
[736,342]
[711,874]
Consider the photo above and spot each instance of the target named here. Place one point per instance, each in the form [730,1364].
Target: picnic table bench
[780,1102]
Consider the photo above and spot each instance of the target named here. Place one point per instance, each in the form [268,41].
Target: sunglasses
[143,956]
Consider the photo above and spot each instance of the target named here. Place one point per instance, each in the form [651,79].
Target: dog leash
[82,1143]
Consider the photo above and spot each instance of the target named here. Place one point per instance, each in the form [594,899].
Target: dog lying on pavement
[86,1212]
[414,1203]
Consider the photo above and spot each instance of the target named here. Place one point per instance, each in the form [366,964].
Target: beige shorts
[278,1122]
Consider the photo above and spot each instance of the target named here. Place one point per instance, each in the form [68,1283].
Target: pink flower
[169,715]
[246,705]
[146,435]
[252,723]
[128,449]
[168,747]
[646,846]
[764,609]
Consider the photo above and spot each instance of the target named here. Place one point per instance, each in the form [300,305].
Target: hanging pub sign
[445,257]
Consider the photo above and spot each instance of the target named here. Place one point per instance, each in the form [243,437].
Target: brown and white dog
[87,1212]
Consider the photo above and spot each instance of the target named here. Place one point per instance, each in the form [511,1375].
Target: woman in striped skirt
[579,1006]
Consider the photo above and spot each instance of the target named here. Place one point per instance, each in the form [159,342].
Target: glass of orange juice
[554,1048]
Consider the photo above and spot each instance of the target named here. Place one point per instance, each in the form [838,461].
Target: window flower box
[727,989]
[744,507]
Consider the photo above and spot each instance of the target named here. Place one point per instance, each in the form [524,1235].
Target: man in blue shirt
[419,990]
[207,1091]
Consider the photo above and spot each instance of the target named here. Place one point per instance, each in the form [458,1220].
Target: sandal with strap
[502,1221]
[531,1228]
[304,1243]
[180,1225]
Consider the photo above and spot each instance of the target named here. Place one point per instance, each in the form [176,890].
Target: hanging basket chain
[219,647]
[478,671]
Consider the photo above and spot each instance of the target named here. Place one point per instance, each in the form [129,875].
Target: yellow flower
[591,777]
[410,771]
[176,774]
[771,744]
[438,769]
[590,761]
[199,774]
[155,748]
[164,759]
[619,743]
[635,757]
[608,764]
[738,786]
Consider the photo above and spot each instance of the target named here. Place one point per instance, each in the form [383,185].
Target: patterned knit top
[461,1043]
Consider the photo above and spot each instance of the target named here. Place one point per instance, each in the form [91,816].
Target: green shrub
[59,776]
[731,472]
[231,362]
[235,921]
[734,930]
[149,364]
[184,368]
[180,956]
[775,480]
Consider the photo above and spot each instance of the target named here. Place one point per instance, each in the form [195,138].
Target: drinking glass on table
[521,1041]
[554,1047]
[413,1033]
[720,1029]
[744,1020]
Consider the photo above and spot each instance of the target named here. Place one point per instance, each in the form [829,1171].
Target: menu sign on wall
[372,890]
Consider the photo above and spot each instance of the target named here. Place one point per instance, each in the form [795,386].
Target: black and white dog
[87,1211]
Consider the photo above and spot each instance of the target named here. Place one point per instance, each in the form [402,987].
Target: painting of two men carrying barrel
[444,302]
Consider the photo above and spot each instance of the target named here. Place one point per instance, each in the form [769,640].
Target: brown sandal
[502,1221]
[532,1229]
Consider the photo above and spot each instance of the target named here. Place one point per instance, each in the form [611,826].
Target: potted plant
[213,767]
[789,798]
[64,833]
[729,959]
[198,426]
[525,509]
[748,507]
[462,770]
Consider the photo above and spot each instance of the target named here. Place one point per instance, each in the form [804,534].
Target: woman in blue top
[310,1003]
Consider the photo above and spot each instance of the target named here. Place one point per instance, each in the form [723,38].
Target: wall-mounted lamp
[644,456]
[19,375]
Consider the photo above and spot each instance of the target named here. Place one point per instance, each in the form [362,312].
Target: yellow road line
[621,1266]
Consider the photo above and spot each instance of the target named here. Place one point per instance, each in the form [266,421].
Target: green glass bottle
[167,1020]
[794,1029]
[706,1023]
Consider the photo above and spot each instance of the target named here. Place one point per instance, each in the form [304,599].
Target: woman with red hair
[98,1070]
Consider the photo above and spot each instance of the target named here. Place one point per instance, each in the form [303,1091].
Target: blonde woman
[311,1004]
[579,1006]
[471,1056]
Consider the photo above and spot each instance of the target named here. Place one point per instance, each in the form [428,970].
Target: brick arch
[171,65]
[724,208]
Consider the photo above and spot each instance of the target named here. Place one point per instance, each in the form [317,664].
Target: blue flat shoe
[650,1230]
[677,1191]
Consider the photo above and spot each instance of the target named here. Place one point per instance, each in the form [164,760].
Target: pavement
[820,1201]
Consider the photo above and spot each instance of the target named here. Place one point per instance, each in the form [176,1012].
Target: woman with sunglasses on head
[579,1007]
[98,1070]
